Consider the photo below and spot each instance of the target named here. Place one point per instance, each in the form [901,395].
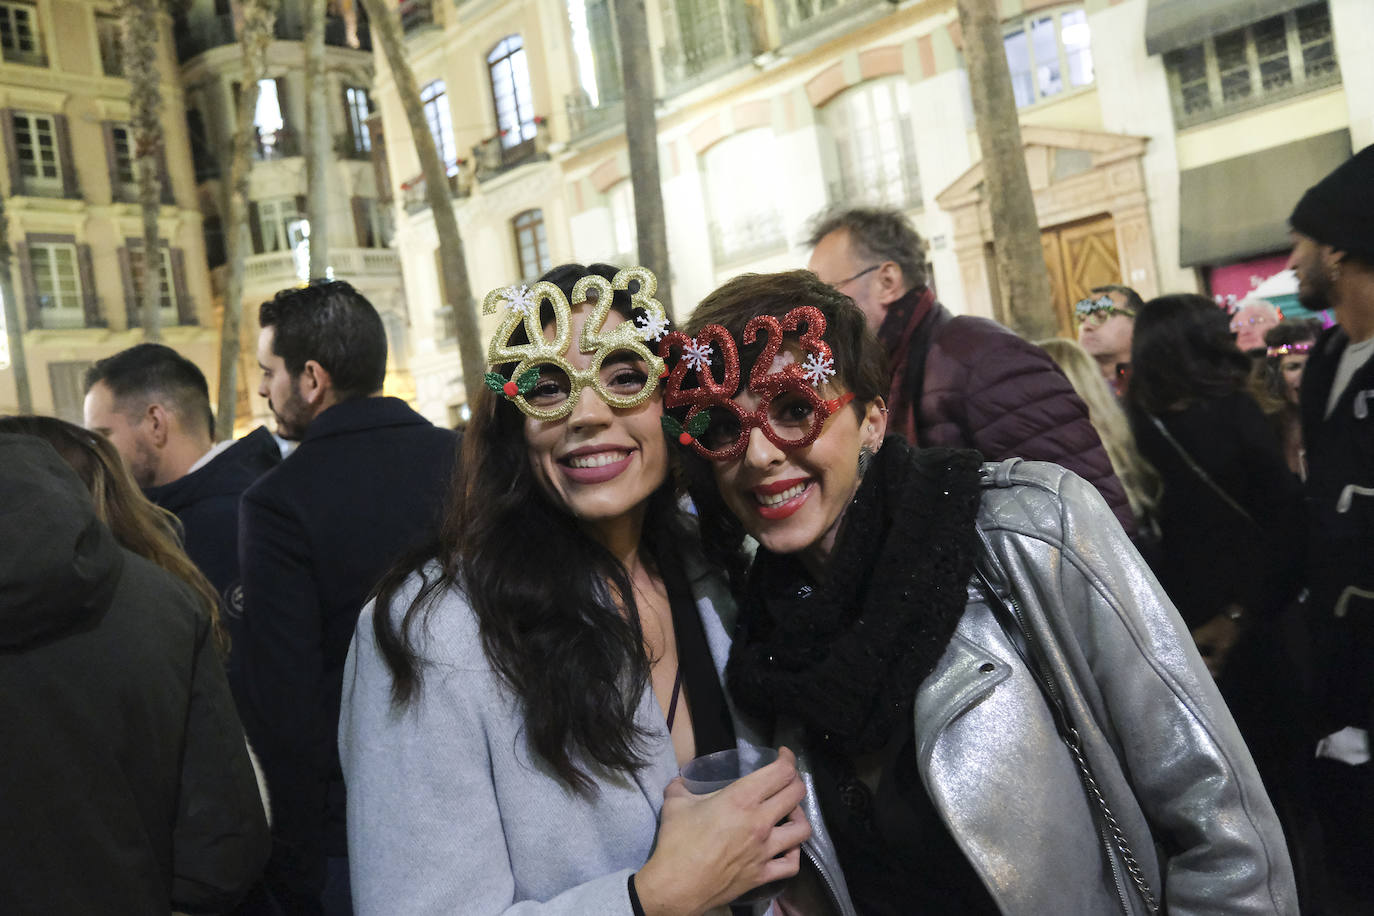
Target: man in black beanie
[1333,257]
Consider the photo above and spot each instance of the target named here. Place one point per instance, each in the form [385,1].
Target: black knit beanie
[1339,210]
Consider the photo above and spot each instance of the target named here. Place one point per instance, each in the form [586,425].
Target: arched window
[872,144]
[531,244]
[741,197]
[510,91]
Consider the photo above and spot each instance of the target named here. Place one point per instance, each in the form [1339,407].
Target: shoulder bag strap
[1197,469]
[1029,652]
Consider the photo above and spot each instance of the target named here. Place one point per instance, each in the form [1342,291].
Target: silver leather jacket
[1158,737]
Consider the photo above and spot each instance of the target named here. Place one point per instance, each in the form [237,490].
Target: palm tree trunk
[259,17]
[1021,272]
[318,142]
[141,30]
[13,330]
[386,29]
[641,138]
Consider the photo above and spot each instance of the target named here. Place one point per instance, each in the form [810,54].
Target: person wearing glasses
[958,381]
[999,709]
[521,693]
[1106,320]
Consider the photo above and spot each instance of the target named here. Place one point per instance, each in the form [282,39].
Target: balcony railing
[347,146]
[800,18]
[45,187]
[746,237]
[279,267]
[493,156]
[724,35]
[276,144]
[414,191]
[415,15]
[205,164]
[32,58]
[585,119]
[198,34]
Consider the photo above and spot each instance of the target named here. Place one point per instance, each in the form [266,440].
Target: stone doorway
[1091,203]
[1080,256]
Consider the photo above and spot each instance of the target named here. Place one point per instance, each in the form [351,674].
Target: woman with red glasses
[520,695]
[1000,710]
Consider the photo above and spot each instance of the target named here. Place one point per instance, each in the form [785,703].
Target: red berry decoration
[685,438]
[511,389]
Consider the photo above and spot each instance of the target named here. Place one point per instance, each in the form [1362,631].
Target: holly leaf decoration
[527,380]
[697,425]
[495,381]
[672,427]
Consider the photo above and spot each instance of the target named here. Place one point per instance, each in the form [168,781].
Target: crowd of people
[1077,627]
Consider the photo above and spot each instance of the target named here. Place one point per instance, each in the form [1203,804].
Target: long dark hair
[549,613]
[1182,351]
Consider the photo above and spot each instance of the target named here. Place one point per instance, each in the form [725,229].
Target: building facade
[1166,140]
[74,222]
[359,223]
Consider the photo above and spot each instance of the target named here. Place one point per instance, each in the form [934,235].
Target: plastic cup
[713,772]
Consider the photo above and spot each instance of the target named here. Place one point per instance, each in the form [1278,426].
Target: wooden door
[1079,256]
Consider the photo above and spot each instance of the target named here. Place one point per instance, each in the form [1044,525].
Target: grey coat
[448,810]
[1161,742]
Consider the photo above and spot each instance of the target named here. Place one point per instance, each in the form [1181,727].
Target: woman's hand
[712,848]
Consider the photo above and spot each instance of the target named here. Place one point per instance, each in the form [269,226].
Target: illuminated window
[1048,53]
[510,92]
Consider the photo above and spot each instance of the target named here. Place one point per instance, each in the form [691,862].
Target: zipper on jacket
[829,885]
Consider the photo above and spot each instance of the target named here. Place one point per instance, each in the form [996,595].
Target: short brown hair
[860,364]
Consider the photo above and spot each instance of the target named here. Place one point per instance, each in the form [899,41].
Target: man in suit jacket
[366,484]
[153,404]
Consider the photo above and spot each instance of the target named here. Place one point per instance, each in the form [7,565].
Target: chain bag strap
[1197,469]
[1029,652]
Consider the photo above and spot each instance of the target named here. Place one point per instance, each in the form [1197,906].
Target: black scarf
[845,657]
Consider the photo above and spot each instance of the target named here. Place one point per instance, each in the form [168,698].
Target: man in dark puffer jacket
[125,781]
[963,382]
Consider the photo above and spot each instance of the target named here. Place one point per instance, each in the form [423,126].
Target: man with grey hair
[962,381]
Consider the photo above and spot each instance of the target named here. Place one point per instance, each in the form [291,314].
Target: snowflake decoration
[651,327]
[817,369]
[697,355]
[521,299]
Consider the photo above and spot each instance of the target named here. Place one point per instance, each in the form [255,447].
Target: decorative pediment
[1052,154]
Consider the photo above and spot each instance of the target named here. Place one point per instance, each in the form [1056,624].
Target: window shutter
[70,188]
[90,302]
[31,312]
[167,196]
[126,273]
[284,103]
[300,207]
[254,227]
[348,118]
[111,160]
[360,223]
[186,307]
[11,152]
